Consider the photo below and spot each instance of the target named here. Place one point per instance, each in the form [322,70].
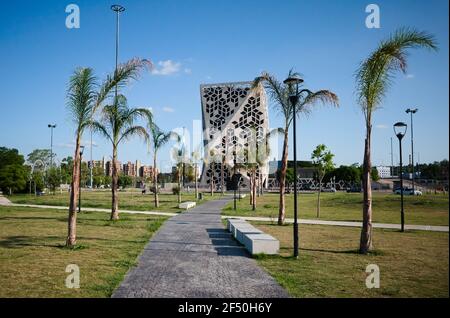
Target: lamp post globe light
[412,111]
[293,82]
[400,131]
[79,183]
[51,126]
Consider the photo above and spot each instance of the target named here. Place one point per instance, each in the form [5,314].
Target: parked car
[408,191]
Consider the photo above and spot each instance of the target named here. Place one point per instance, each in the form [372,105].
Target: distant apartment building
[129,169]
[146,172]
[384,172]
[98,164]
[108,166]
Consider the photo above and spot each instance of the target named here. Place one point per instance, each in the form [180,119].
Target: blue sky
[222,41]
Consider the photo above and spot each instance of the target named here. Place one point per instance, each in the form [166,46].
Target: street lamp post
[117,8]
[51,142]
[79,183]
[412,111]
[400,131]
[293,83]
[235,185]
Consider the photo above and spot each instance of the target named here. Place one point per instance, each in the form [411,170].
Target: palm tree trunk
[254,190]
[282,205]
[366,233]
[155,181]
[114,188]
[179,185]
[74,194]
[212,179]
[196,182]
[222,178]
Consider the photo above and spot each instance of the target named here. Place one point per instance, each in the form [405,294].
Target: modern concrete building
[235,123]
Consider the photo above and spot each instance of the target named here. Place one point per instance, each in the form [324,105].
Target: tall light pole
[118,9]
[51,126]
[412,111]
[293,83]
[400,131]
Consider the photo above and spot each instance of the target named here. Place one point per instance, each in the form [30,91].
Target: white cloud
[168,109]
[187,70]
[86,143]
[410,76]
[166,68]
[381,126]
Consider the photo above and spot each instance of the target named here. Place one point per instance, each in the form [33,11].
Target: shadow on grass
[24,241]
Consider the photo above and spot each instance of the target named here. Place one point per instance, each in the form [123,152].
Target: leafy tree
[13,178]
[373,78]
[43,155]
[279,94]
[53,178]
[323,160]
[10,157]
[125,181]
[38,179]
[348,174]
[66,169]
[84,98]
[118,125]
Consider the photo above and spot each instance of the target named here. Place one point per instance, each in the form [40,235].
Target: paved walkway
[432,228]
[192,255]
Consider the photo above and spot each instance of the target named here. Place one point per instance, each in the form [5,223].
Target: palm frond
[125,73]
[100,128]
[374,75]
[134,131]
[80,96]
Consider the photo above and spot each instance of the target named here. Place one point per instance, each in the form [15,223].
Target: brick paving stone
[193,256]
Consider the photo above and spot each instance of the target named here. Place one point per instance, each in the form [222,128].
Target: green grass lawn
[428,209]
[33,258]
[412,264]
[128,200]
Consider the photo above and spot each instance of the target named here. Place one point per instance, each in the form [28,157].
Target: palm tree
[158,138]
[373,79]
[279,94]
[118,124]
[84,98]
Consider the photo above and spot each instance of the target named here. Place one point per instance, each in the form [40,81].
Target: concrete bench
[233,223]
[254,240]
[187,205]
[243,230]
[261,243]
